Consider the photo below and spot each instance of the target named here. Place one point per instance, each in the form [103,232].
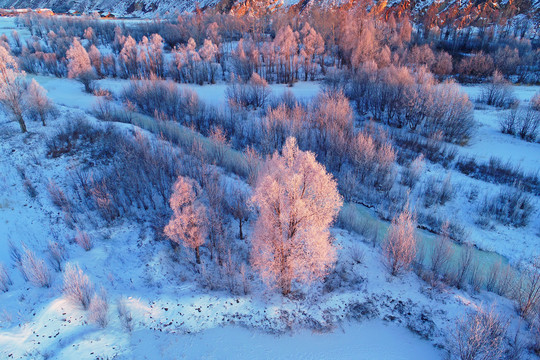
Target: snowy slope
[149,8]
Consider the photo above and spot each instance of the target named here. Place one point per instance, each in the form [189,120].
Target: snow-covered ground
[515,244]
[173,316]
[488,141]
[373,316]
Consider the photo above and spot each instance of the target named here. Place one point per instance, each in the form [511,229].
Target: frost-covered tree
[286,45]
[95,59]
[39,105]
[12,87]
[208,53]
[188,224]
[79,66]
[128,57]
[297,201]
[399,247]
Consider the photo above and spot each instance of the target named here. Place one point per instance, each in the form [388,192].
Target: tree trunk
[241,233]
[43,119]
[21,123]
[197,255]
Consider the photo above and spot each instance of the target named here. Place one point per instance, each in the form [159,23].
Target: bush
[34,269]
[5,280]
[164,99]
[527,290]
[77,286]
[511,206]
[399,247]
[411,173]
[99,309]
[478,335]
[83,240]
[535,102]
[57,254]
[498,92]
[437,191]
[254,93]
[125,315]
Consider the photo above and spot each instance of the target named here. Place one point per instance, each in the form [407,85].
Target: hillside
[428,12]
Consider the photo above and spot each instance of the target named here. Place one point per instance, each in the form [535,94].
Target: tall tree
[297,201]
[188,222]
[79,66]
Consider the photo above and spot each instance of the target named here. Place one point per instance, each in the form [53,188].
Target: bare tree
[237,204]
[297,201]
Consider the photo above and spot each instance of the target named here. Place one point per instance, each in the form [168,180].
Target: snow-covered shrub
[511,206]
[411,173]
[464,264]
[437,191]
[527,289]
[60,199]
[71,136]
[35,269]
[499,279]
[442,252]
[478,65]
[39,106]
[509,122]
[356,253]
[98,311]
[254,93]
[5,280]
[499,172]
[399,247]
[535,102]
[351,220]
[83,240]
[258,91]
[126,319]
[478,335]
[528,124]
[498,92]
[77,286]
[57,254]
[164,98]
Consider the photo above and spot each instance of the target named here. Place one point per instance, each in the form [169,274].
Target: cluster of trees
[401,98]
[21,99]
[297,201]
[206,47]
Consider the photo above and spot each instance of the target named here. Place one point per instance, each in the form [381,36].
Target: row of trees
[279,48]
